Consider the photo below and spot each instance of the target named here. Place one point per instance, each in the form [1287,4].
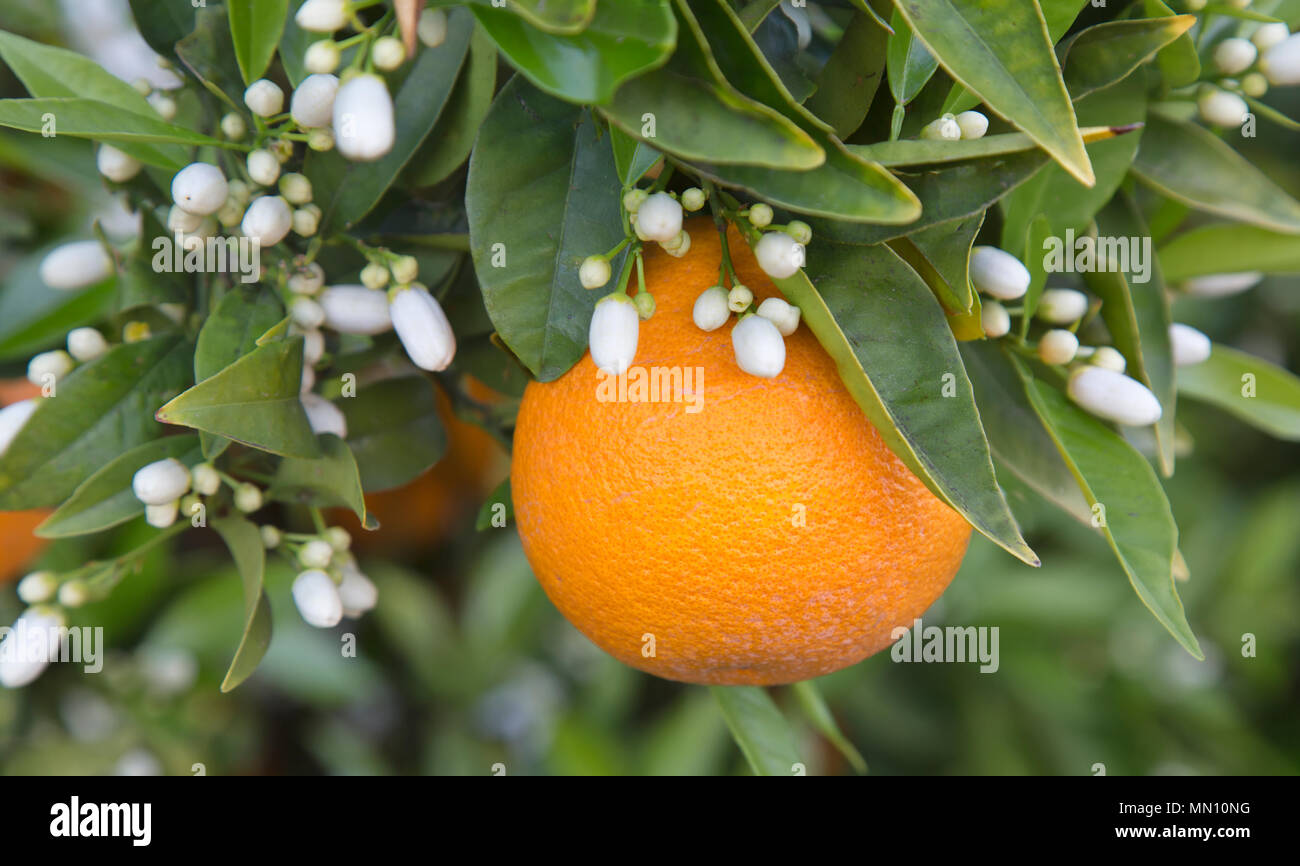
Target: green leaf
[1035,241]
[759,729]
[550,16]
[1107,53]
[814,707]
[623,40]
[1190,164]
[452,139]
[632,158]
[1000,50]
[1226,248]
[253,401]
[347,191]
[778,39]
[1138,523]
[394,431]
[100,410]
[909,63]
[34,317]
[328,481]
[1261,394]
[100,121]
[499,497]
[255,28]
[245,543]
[163,23]
[209,54]
[891,344]
[541,211]
[106,498]
[849,80]
[940,255]
[1268,112]
[1178,62]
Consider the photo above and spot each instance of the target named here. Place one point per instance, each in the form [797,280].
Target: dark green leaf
[632,158]
[255,28]
[909,63]
[550,16]
[814,707]
[163,23]
[245,543]
[498,499]
[849,80]
[1178,62]
[100,121]
[328,481]
[940,255]
[1261,394]
[448,146]
[394,431]
[1107,53]
[209,53]
[759,729]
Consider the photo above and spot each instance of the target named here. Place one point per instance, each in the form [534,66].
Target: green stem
[640,273]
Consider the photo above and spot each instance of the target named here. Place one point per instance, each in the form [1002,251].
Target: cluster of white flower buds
[331,585]
[956,127]
[165,486]
[1270,56]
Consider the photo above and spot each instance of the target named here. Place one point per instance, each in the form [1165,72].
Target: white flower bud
[86,344]
[944,128]
[1254,85]
[321,139]
[162,516]
[296,188]
[339,538]
[238,192]
[780,313]
[322,16]
[12,419]
[315,554]
[659,218]
[308,381]
[363,119]
[374,276]
[759,347]
[760,215]
[25,651]
[711,311]
[357,592]
[116,165]
[267,220]
[615,328]
[1234,55]
[49,366]
[1058,347]
[1221,108]
[248,498]
[1269,35]
[422,327]
[313,100]
[800,231]
[38,587]
[321,57]
[388,53]
[233,126]
[271,537]
[74,593]
[405,269]
[994,319]
[305,222]
[432,27]
[1113,396]
[972,124]
[317,599]
[739,298]
[1062,306]
[1221,285]
[356,310]
[594,272]
[306,313]
[633,199]
[1108,358]
[1281,63]
[678,246]
[324,416]
[693,198]
[76,265]
[263,167]
[205,479]
[161,482]
[1189,345]
[163,104]
[199,188]
[779,255]
[313,347]
[307,280]
[264,98]
[997,273]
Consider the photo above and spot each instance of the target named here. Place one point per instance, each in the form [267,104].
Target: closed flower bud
[779,255]
[199,188]
[997,273]
[1234,55]
[162,516]
[1189,345]
[205,479]
[1221,285]
[38,587]
[1058,347]
[233,126]
[1108,358]
[271,537]
[659,217]
[711,310]
[1221,108]
[306,313]
[315,553]
[143,86]
[248,498]
[364,129]
[356,310]
[295,188]
[1254,85]
[49,367]
[594,272]
[759,347]
[322,16]
[307,279]
[313,100]
[324,416]
[321,139]
[238,192]
[263,167]
[422,327]
[405,269]
[1281,63]
[321,57]
[12,419]
[267,220]
[1062,306]
[313,347]
[339,538]
[760,215]
[231,214]
[161,482]
[163,104]
[678,246]
[317,599]
[693,198]
[74,593]
[973,124]
[739,298]
[25,651]
[645,304]
[780,313]
[633,199]
[305,222]
[76,265]
[308,381]
[615,329]
[800,231]
[86,344]
[1269,35]
[1113,396]
[944,128]
[388,53]
[116,165]
[432,27]
[357,592]
[994,319]
[374,276]
[264,98]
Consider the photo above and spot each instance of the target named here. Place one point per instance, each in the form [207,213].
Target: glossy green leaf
[1178,62]
[34,317]
[244,541]
[1001,52]
[448,146]
[539,212]
[1138,524]
[759,729]
[394,431]
[255,28]
[909,63]
[328,481]
[100,410]
[550,16]
[209,54]
[632,158]
[917,151]
[756,12]
[106,499]
[897,357]
[1226,248]
[1107,53]
[253,401]
[498,499]
[623,40]
[814,708]
[849,80]
[163,23]
[1261,394]
[944,259]
[1189,163]
[777,37]
[346,191]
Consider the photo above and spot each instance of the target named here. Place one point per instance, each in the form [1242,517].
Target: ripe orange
[768,538]
[17,544]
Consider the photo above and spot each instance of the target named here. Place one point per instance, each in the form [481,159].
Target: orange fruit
[18,546]
[769,537]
